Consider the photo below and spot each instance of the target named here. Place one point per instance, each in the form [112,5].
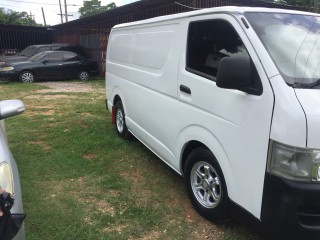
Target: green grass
[80,181]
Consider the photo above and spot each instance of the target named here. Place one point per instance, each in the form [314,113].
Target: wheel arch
[29,70]
[83,70]
[197,136]
[116,99]
[188,148]
[116,95]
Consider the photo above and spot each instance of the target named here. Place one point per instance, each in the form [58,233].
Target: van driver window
[208,42]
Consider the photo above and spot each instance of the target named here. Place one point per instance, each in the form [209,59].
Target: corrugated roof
[149,4]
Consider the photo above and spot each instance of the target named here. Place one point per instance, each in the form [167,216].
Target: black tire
[27,77]
[83,75]
[210,197]
[120,123]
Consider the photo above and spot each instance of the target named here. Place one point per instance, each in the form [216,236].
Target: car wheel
[206,186]
[121,126]
[83,75]
[27,77]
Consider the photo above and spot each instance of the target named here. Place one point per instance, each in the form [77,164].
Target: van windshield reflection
[293,43]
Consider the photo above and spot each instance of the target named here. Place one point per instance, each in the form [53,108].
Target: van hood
[310,102]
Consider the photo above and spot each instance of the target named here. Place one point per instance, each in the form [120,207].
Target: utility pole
[44,18]
[61,15]
[66,11]
[31,16]
[316,3]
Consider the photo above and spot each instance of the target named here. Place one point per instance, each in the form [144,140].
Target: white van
[229,98]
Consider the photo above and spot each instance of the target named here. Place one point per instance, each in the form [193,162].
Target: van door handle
[185,89]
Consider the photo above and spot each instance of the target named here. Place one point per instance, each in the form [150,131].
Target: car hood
[310,102]
[14,58]
[17,64]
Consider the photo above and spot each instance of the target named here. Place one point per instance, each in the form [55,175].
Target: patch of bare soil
[49,97]
[42,144]
[67,87]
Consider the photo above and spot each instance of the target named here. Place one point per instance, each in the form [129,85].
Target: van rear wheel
[206,186]
[121,126]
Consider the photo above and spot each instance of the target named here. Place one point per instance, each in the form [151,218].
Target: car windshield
[28,51]
[37,57]
[293,43]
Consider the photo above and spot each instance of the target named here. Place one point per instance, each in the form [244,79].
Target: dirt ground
[67,87]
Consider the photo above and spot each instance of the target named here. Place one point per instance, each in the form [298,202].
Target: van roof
[228,9]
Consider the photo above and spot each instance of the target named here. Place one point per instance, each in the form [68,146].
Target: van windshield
[293,43]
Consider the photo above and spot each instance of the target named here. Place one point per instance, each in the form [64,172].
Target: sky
[51,8]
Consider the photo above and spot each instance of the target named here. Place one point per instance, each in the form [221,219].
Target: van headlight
[6,179]
[302,164]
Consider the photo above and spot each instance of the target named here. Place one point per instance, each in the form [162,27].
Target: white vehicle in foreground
[229,98]
[11,209]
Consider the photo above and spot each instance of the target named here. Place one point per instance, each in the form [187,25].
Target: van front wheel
[121,126]
[206,186]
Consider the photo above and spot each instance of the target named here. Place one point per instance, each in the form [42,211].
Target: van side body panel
[142,69]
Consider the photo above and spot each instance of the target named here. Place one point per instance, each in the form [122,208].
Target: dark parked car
[35,49]
[50,65]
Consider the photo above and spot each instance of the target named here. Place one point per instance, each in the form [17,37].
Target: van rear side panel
[142,65]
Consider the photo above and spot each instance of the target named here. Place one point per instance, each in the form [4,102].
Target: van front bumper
[291,209]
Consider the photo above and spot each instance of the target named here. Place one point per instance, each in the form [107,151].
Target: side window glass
[69,56]
[208,42]
[42,49]
[54,57]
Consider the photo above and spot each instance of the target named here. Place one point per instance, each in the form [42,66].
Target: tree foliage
[304,3]
[16,18]
[93,7]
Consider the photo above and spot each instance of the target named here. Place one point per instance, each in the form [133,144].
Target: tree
[16,18]
[93,7]
[304,3]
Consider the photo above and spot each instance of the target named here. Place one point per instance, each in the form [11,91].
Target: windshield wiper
[307,85]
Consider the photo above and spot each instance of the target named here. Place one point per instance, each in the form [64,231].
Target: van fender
[116,93]
[208,139]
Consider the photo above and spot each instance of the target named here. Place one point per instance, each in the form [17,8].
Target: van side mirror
[9,108]
[236,73]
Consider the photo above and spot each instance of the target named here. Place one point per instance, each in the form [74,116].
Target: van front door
[234,125]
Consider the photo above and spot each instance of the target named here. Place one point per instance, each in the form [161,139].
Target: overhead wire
[55,4]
